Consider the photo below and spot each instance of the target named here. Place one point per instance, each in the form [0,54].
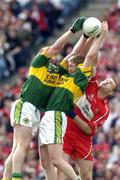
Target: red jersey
[91,109]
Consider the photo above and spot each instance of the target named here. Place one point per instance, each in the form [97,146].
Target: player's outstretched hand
[77,25]
[104,30]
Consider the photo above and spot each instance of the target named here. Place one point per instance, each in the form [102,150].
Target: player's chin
[103,88]
[106,91]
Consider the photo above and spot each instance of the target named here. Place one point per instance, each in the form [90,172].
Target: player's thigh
[85,167]
[22,134]
[55,152]
[43,153]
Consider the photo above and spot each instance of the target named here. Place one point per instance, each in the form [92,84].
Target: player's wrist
[71,114]
[72,30]
[85,36]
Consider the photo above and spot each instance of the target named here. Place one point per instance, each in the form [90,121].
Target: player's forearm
[96,46]
[93,52]
[79,46]
[91,58]
[87,46]
[61,42]
[82,125]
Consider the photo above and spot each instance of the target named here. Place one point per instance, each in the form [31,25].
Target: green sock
[78,178]
[17,176]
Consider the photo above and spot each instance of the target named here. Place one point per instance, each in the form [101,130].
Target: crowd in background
[24,26]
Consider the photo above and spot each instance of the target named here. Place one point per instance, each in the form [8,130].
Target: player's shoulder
[44,49]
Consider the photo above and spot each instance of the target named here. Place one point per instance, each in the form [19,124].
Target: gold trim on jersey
[85,69]
[47,78]
[44,51]
[80,66]
[64,64]
[68,83]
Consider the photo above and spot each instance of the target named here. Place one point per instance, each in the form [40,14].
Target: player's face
[71,67]
[108,85]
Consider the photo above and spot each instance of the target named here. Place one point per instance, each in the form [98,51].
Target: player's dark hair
[78,59]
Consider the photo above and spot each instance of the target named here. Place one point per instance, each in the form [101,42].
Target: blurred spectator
[3,59]
[14,6]
[24,26]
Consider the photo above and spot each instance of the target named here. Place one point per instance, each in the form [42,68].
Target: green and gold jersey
[69,88]
[43,77]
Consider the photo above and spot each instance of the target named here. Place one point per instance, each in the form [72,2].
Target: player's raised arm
[64,39]
[91,58]
[83,52]
[82,46]
[80,49]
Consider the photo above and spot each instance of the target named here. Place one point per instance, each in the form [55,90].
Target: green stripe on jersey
[58,127]
[17,113]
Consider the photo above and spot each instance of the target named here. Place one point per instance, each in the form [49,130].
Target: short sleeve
[42,58]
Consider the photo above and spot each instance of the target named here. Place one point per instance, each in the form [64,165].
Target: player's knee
[56,162]
[23,144]
[23,135]
[86,176]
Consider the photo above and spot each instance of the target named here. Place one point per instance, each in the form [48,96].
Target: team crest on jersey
[56,69]
[26,120]
[52,68]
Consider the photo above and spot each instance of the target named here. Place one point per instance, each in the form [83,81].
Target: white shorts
[26,114]
[52,128]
